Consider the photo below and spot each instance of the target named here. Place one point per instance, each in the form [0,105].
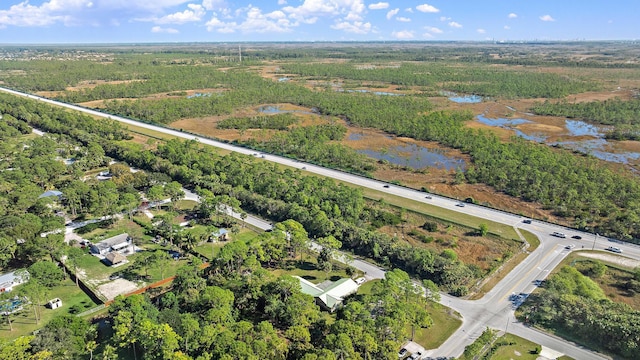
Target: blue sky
[111,21]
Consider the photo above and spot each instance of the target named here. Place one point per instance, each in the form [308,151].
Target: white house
[9,280]
[329,295]
[119,243]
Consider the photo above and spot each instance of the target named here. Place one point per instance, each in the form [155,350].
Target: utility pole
[594,242]
[239,53]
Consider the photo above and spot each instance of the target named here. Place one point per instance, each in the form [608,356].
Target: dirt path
[619,260]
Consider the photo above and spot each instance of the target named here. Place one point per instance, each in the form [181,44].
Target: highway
[494,309]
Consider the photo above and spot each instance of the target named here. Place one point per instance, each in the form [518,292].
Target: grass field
[74,300]
[511,347]
[445,323]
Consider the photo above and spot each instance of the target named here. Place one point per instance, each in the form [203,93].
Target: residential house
[9,280]
[329,295]
[51,193]
[119,243]
[221,235]
[115,258]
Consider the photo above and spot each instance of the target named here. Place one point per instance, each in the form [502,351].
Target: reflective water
[270,109]
[463,99]
[417,157]
[382,93]
[196,95]
[596,145]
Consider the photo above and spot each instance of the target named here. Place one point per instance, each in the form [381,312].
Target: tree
[174,191]
[155,194]
[483,229]
[74,254]
[36,294]
[46,273]
[7,250]
[91,347]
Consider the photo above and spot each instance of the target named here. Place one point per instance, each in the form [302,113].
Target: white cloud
[454,24]
[444,18]
[212,4]
[379,6]
[282,2]
[409,10]
[402,35]
[255,21]
[433,30]
[193,14]
[48,13]
[310,10]
[356,27]
[426,8]
[403,19]
[507,27]
[512,16]
[481,31]
[547,18]
[158,29]
[392,13]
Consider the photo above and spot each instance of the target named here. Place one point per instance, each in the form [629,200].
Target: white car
[559,234]
[614,249]
[360,280]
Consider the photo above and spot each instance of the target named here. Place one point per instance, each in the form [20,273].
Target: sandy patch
[117,287]
[615,259]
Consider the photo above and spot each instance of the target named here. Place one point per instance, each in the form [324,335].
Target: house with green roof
[329,295]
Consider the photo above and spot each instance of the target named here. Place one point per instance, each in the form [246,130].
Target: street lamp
[594,242]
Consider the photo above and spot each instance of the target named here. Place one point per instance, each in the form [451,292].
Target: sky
[149,21]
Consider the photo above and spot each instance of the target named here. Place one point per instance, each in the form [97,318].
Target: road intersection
[495,309]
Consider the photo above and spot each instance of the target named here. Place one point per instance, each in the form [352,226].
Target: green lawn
[307,269]
[533,240]
[510,347]
[24,323]
[445,323]
[122,226]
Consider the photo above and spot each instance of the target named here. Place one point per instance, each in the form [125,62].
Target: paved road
[494,308]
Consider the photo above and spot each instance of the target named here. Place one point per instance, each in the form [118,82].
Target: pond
[417,157]
[271,109]
[595,144]
[462,99]
[197,95]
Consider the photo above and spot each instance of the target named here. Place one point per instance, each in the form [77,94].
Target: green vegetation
[573,305]
[622,114]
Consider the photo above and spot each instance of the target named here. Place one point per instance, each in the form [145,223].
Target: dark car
[577,237]
[428,197]
[527,221]
[386,186]
[402,353]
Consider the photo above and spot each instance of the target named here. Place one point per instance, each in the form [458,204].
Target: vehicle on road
[386,186]
[428,197]
[570,246]
[460,204]
[577,237]
[360,280]
[527,221]
[558,234]
[415,356]
[304,168]
[614,249]
[402,353]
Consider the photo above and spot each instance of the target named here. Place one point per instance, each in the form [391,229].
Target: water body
[597,146]
[270,109]
[420,157]
[462,99]
[283,79]
[197,95]
[355,136]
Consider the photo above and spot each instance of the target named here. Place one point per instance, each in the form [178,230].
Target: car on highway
[570,246]
[577,237]
[558,234]
[428,197]
[402,353]
[614,249]
[386,186]
[460,204]
[304,168]
[527,221]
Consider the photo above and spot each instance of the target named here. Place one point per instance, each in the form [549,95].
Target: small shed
[54,303]
[115,258]
[221,235]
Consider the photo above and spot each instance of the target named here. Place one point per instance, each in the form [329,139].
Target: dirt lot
[117,287]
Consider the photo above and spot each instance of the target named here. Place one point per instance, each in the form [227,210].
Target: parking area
[413,348]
